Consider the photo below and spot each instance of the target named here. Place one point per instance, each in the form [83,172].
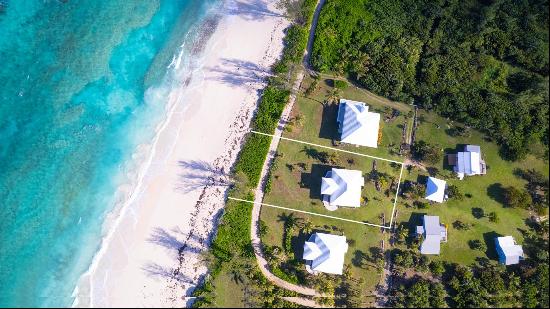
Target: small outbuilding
[325,253]
[435,189]
[433,233]
[356,124]
[468,162]
[509,252]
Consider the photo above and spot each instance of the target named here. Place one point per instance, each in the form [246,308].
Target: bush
[454,192]
[437,268]
[477,244]
[516,198]
[340,84]
[426,152]
[493,217]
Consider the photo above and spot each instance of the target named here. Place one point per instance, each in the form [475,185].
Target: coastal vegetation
[483,63]
[465,66]
[233,269]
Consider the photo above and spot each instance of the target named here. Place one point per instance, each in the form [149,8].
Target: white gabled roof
[326,252]
[468,163]
[435,189]
[343,187]
[433,232]
[357,125]
[509,246]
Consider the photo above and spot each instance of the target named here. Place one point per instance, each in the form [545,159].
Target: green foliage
[493,217]
[233,234]
[426,152]
[254,151]
[437,268]
[477,244]
[340,84]
[480,62]
[517,198]
[454,192]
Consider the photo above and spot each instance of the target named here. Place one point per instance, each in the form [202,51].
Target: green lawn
[296,183]
[296,179]
[485,191]
[320,120]
[229,292]
[362,240]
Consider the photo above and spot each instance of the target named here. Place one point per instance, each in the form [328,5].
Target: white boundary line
[309,213]
[345,151]
[396,194]
[327,147]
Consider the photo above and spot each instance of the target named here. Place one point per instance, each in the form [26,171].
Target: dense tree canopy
[481,62]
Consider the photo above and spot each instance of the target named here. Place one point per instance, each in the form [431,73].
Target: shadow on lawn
[489,239]
[312,180]
[329,126]
[496,192]
[416,219]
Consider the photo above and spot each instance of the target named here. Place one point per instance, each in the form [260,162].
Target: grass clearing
[364,245]
[296,182]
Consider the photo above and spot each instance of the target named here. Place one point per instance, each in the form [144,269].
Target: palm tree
[333,95]
[307,227]
[290,220]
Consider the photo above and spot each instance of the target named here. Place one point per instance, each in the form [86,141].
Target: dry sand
[151,256]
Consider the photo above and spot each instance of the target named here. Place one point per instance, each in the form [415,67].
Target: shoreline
[172,226]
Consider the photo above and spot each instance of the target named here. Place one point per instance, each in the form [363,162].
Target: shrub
[426,152]
[493,217]
[340,84]
[454,192]
[477,244]
[517,198]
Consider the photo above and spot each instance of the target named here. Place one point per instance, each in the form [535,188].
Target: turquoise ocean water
[74,104]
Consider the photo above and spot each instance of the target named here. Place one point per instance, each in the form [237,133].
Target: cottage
[468,162]
[325,253]
[434,233]
[356,124]
[509,252]
[341,187]
[435,189]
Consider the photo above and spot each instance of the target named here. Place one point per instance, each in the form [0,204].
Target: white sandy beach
[151,255]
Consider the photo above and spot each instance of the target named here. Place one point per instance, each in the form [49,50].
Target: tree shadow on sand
[235,72]
[156,270]
[251,10]
[199,174]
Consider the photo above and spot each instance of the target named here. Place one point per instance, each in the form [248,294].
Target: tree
[477,244]
[426,152]
[437,268]
[418,295]
[516,198]
[493,217]
[454,192]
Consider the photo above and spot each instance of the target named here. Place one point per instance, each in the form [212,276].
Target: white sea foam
[181,69]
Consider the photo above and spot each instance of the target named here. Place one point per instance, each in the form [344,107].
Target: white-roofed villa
[435,190]
[433,233]
[508,251]
[325,253]
[468,162]
[356,124]
[342,187]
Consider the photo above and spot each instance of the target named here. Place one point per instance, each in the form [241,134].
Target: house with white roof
[341,187]
[356,124]
[325,253]
[468,162]
[433,233]
[509,252]
[435,190]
